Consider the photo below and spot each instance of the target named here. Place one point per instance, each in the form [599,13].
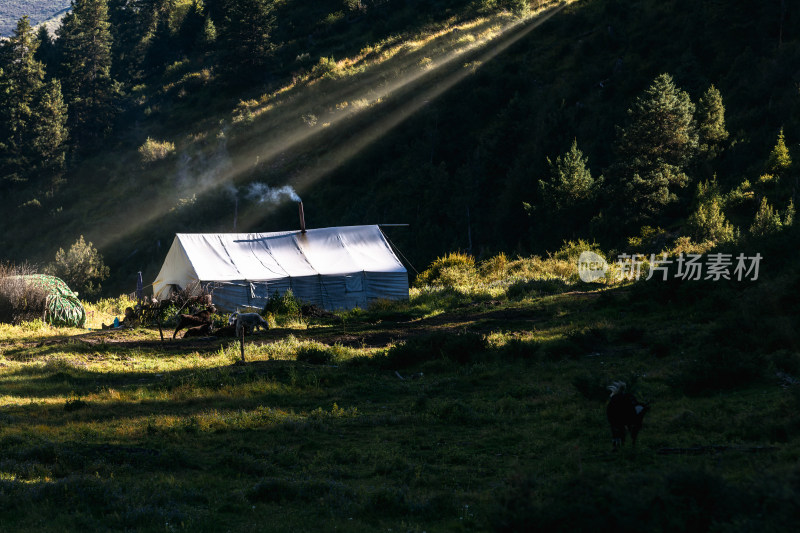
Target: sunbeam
[283,127]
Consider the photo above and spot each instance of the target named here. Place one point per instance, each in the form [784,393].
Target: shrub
[448,271]
[80,267]
[326,67]
[153,150]
[283,305]
[519,7]
[570,251]
[494,268]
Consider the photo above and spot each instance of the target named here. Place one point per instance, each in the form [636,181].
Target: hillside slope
[445,126]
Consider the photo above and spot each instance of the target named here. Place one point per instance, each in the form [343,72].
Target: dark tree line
[63,95]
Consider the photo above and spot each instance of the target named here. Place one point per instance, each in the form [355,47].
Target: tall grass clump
[317,353]
[453,270]
[19,300]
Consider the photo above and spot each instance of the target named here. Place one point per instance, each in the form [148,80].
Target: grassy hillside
[442,117]
[478,405]
[38,11]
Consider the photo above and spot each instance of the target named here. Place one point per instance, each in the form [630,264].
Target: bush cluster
[283,305]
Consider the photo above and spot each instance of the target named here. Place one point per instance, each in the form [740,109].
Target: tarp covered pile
[62,307]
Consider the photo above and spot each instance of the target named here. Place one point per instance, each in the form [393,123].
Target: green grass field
[503,430]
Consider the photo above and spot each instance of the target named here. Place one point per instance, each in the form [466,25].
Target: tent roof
[269,256]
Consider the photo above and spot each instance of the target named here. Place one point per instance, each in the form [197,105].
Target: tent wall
[328,292]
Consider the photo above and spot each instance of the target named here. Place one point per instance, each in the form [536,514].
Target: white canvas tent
[333,268]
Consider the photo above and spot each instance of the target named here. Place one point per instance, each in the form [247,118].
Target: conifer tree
[86,58]
[22,80]
[779,159]
[32,131]
[570,182]
[711,122]
[655,147]
[50,131]
[708,222]
[46,53]
[244,33]
[766,221]
[190,33]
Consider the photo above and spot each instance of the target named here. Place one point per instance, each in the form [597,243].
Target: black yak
[198,331]
[624,411]
[197,319]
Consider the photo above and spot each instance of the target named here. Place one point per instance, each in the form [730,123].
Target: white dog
[249,321]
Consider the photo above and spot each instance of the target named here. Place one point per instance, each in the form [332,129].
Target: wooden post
[242,343]
[158,319]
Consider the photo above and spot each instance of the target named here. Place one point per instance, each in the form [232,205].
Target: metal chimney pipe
[302,218]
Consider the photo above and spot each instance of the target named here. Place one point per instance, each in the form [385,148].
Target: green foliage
[244,36]
[91,92]
[481,145]
[354,5]
[520,8]
[494,268]
[767,220]
[81,267]
[153,150]
[655,147]
[453,269]
[651,240]
[660,127]
[779,160]
[708,222]
[285,305]
[788,216]
[321,354]
[570,184]
[325,68]
[571,251]
[32,113]
[711,127]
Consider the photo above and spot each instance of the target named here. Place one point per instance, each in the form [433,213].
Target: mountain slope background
[39,11]
[441,115]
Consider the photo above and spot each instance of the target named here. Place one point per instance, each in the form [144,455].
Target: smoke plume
[262,193]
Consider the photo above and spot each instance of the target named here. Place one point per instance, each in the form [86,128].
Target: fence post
[242,343]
